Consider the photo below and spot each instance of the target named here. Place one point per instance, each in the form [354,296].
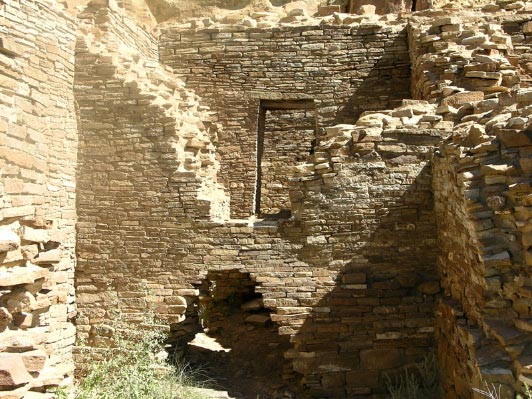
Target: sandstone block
[524,325]
[296,12]
[499,259]
[21,275]
[323,11]
[380,359]
[446,21]
[5,318]
[19,301]
[475,40]
[52,256]
[367,9]
[496,169]
[23,320]
[515,138]
[9,47]
[35,235]
[34,360]
[524,95]
[458,99]
[13,373]
[9,240]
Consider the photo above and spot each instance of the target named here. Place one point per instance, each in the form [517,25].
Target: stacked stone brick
[38,145]
[480,179]
[346,63]
[289,138]
[146,169]
[380,220]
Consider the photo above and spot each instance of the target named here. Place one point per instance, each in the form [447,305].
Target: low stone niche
[239,345]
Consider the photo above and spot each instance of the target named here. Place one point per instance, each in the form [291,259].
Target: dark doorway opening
[286,136]
[239,346]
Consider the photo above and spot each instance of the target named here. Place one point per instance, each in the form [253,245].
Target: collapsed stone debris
[358,184]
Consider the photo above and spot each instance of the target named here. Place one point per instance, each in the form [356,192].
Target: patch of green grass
[136,368]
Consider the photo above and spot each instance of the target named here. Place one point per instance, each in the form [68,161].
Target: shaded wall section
[346,69]
[368,231]
[481,183]
[286,137]
[146,166]
[38,145]
[351,279]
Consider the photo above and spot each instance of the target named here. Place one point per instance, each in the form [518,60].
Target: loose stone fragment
[9,240]
[13,373]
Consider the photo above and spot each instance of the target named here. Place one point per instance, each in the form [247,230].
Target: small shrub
[528,393]
[136,368]
[494,392]
[491,392]
[420,384]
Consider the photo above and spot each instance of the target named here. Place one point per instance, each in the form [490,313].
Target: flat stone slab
[212,393]
[258,319]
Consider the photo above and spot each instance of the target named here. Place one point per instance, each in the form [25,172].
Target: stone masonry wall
[361,204]
[354,276]
[38,146]
[146,166]
[472,68]
[343,279]
[347,64]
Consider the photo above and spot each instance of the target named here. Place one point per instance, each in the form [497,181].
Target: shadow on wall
[372,311]
[236,332]
[393,68]
[131,194]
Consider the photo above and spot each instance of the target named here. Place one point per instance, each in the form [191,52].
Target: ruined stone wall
[471,68]
[346,65]
[146,166]
[352,278]
[38,146]
[362,204]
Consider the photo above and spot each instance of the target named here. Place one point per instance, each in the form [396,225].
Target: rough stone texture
[380,6]
[289,138]
[481,184]
[336,282]
[345,64]
[165,10]
[38,149]
[409,223]
[147,168]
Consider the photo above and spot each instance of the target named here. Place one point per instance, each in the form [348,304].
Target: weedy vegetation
[419,383]
[494,392]
[137,367]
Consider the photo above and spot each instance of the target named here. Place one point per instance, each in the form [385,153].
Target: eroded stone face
[381,222]
[38,151]
[165,10]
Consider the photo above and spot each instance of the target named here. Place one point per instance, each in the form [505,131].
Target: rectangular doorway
[286,137]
